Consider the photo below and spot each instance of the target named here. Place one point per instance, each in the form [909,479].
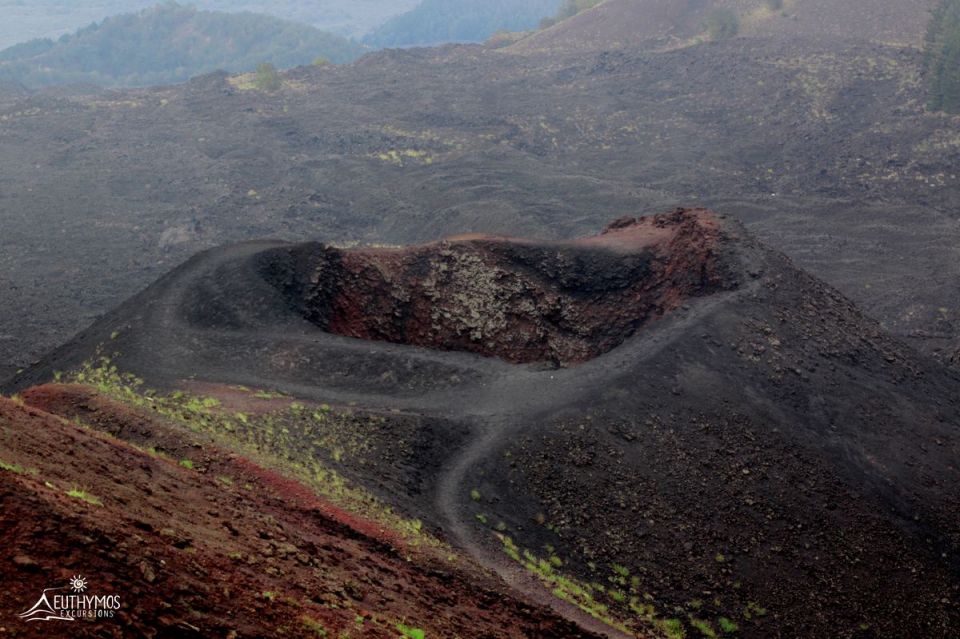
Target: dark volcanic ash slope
[754,450]
[615,24]
[822,147]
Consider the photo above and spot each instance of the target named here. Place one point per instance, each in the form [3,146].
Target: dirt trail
[778,345]
[193,319]
[501,408]
[196,527]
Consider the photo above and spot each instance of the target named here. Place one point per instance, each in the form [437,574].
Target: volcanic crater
[758,438]
[554,302]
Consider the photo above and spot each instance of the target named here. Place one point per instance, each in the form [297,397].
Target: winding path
[249,336]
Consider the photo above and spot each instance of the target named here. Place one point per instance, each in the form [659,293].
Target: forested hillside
[435,21]
[169,43]
[30,19]
[943,57]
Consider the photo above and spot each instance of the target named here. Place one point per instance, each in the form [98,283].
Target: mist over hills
[53,18]
[615,329]
[172,43]
[169,43]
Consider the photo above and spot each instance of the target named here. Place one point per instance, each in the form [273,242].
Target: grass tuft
[704,627]
[412,633]
[312,624]
[81,493]
[727,626]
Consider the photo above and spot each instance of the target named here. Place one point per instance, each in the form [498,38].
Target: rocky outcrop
[523,301]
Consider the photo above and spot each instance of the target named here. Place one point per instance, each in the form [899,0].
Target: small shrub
[81,493]
[475,495]
[321,61]
[722,24]
[674,629]
[312,624]
[412,633]
[727,626]
[186,463]
[267,78]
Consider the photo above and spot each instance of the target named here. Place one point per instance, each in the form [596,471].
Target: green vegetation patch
[727,626]
[81,493]
[412,633]
[291,440]
[169,43]
[13,468]
[622,604]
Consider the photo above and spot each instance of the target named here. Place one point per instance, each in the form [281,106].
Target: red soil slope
[225,549]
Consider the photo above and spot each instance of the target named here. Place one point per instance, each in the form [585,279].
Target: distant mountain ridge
[24,20]
[169,43]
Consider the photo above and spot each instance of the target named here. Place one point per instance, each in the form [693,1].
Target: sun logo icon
[78,583]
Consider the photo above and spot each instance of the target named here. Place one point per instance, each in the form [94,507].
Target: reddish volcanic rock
[561,302]
[226,549]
